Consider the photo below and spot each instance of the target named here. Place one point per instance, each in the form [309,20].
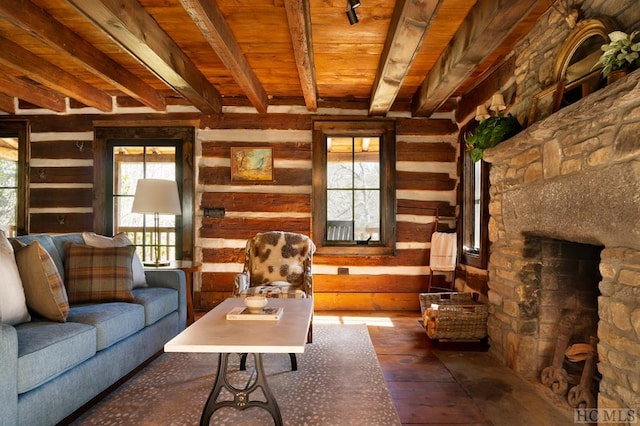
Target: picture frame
[544,103]
[251,164]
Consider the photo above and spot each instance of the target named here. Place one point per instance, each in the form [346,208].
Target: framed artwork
[251,164]
[544,103]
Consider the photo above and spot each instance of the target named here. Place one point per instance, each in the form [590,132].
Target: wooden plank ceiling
[403,55]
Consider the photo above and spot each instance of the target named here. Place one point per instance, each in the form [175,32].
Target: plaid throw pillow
[99,274]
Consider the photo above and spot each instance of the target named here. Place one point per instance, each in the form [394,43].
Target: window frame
[385,130]
[185,136]
[20,129]
[471,258]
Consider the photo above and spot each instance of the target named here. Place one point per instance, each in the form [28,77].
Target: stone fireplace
[565,238]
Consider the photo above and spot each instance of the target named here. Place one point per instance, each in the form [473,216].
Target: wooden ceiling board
[345,57]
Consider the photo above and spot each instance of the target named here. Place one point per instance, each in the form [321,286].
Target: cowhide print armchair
[277,264]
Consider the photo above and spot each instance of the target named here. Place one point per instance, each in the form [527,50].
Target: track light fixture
[351,11]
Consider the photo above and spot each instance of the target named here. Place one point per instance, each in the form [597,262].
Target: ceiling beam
[7,104]
[31,93]
[299,17]
[23,61]
[24,14]
[208,17]
[409,24]
[134,30]
[485,27]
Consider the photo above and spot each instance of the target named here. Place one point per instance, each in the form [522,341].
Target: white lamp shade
[497,103]
[482,113]
[156,196]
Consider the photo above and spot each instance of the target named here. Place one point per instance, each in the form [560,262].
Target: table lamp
[156,196]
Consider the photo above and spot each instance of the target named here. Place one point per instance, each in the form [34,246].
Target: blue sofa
[49,369]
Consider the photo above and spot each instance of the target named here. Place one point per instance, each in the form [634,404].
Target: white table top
[214,333]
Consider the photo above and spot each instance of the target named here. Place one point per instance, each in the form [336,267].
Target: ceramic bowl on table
[255,304]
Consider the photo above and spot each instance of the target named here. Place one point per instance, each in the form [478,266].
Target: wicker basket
[453,316]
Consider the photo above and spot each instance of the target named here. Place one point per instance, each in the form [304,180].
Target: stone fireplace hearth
[565,234]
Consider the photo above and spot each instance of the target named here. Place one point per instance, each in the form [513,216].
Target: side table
[188,267]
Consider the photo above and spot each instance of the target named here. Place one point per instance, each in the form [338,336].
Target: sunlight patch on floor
[353,319]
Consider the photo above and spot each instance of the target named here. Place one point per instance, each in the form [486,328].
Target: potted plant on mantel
[620,56]
[490,132]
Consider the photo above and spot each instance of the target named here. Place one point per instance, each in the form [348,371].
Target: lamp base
[156,264]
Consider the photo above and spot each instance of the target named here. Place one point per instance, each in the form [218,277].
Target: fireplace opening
[561,280]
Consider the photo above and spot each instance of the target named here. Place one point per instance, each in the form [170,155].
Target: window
[122,155]
[130,162]
[475,209]
[354,187]
[14,161]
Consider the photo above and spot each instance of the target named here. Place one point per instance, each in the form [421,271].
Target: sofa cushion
[98,274]
[113,321]
[43,286]
[158,302]
[48,349]
[119,240]
[13,307]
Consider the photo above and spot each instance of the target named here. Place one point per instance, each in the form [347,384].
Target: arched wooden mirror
[579,54]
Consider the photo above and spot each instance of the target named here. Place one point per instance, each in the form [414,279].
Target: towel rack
[436,256]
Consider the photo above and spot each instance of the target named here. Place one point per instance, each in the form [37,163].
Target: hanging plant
[490,132]
[620,54]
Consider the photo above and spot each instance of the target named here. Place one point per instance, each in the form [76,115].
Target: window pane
[9,196]
[339,205]
[367,163]
[8,173]
[367,214]
[477,185]
[339,163]
[8,211]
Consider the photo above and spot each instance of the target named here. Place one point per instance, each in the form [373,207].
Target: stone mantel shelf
[530,137]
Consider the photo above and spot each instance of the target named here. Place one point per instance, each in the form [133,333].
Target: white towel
[444,251]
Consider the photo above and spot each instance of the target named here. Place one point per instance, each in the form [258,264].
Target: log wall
[426,179]
[61,198]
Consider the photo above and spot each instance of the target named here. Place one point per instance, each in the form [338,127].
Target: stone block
[620,315]
[629,277]
[601,156]
[607,270]
[571,166]
[510,307]
[551,158]
[635,321]
[533,172]
[527,157]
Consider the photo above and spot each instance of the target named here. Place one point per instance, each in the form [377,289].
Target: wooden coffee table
[215,334]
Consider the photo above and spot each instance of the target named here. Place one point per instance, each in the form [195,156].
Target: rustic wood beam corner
[26,15]
[410,23]
[37,69]
[209,19]
[128,24]
[299,18]
[486,26]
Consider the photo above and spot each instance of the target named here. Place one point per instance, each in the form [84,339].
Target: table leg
[241,397]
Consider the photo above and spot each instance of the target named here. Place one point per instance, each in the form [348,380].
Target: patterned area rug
[338,382]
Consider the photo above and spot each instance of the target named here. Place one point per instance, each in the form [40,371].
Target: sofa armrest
[175,279]
[8,375]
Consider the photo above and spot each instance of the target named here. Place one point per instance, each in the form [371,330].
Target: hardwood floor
[426,392]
